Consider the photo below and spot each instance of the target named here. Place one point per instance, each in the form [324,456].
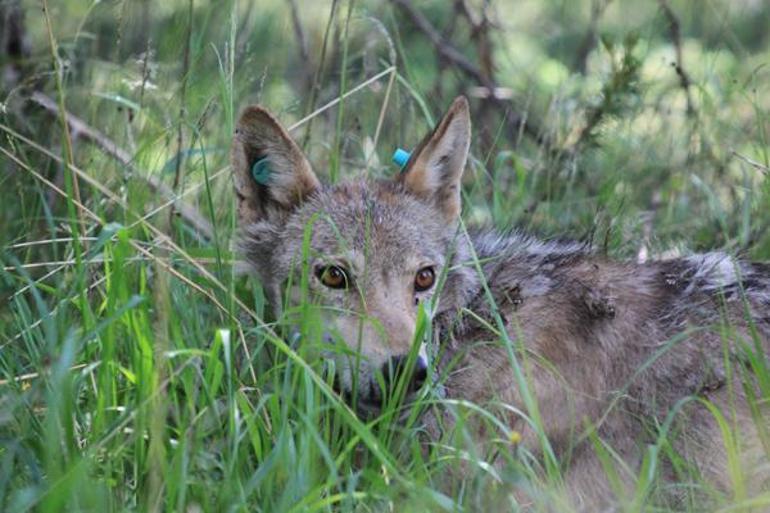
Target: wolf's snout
[394,368]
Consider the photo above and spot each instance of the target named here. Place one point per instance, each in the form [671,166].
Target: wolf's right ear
[270,172]
[436,166]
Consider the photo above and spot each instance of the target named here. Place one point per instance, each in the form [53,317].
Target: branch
[188,212]
[299,33]
[480,25]
[589,40]
[685,82]
[676,39]
[447,51]
[753,163]
[14,43]
[443,47]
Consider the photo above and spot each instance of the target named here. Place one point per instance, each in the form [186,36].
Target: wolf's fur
[607,344]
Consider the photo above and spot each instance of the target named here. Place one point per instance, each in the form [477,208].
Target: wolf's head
[371,251]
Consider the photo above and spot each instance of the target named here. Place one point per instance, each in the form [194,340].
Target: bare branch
[14,43]
[80,127]
[676,40]
[443,47]
[299,33]
[589,40]
[447,51]
[753,163]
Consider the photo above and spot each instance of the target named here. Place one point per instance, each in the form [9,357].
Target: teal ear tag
[401,157]
[260,171]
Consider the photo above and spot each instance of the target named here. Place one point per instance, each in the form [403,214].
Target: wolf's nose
[420,375]
[393,369]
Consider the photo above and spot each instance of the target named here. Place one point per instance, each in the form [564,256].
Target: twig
[480,34]
[15,47]
[77,125]
[381,117]
[99,260]
[676,39]
[335,101]
[589,40]
[443,47]
[706,142]
[480,25]
[753,163]
[447,51]
[299,33]
[316,85]
[31,243]
[34,375]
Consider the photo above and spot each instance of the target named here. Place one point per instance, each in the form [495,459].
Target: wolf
[590,347]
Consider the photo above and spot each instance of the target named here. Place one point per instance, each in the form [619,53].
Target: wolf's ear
[436,166]
[269,170]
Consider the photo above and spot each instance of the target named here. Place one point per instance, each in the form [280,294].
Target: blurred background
[641,126]
[584,111]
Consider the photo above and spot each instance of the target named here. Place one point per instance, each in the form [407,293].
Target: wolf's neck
[507,262]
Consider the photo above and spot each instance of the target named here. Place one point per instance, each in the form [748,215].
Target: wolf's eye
[333,276]
[424,279]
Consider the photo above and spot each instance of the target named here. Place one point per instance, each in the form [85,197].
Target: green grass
[141,370]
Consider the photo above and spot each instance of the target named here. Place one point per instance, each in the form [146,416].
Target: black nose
[397,365]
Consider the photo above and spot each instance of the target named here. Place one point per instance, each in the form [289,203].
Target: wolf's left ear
[270,173]
[436,166]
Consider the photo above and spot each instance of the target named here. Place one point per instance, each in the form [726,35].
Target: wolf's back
[619,345]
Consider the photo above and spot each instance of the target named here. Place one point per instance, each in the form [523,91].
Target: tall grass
[141,370]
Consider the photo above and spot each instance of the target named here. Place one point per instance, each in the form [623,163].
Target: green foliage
[139,370]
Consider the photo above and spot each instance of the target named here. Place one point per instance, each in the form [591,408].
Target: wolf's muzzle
[393,369]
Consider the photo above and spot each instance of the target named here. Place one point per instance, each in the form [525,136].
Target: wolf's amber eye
[333,277]
[424,279]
